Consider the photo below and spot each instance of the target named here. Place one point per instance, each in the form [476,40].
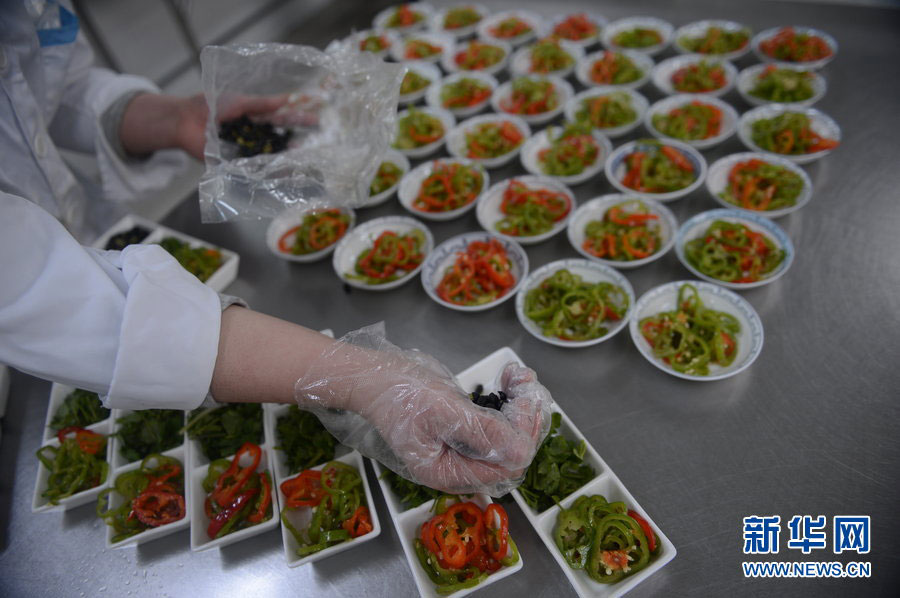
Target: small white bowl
[696,227]
[398,159]
[699,28]
[489,213]
[423,69]
[437,21]
[392,38]
[426,150]
[748,77]
[456,139]
[641,61]
[446,43]
[444,256]
[664,298]
[541,141]
[717,181]
[638,102]
[362,237]
[590,272]
[563,90]
[293,217]
[726,129]
[615,169]
[412,183]
[534,21]
[614,28]
[587,42]
[596,208]
[381,19]
[812,64]
[449,60]
[521,60]
[433,95]
[663,72]
[820,122]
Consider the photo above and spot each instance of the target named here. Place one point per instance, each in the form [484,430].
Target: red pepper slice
[360,523]
[496,523]
[451,546]
[304,490]
[89,442]
[265,500]
[226,514]
[156,508]
[651,538]
[234,478]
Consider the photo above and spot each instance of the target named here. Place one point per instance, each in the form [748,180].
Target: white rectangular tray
[605,482]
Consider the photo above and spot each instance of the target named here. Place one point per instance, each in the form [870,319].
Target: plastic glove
[404,409]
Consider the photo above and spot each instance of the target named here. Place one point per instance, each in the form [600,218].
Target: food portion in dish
[733,252]
[699,77]
[374,43]
[237,495]
[638,37]
[450,186]
[77,464]
[789,46]
[477,56]
[318,230]
[200,261]
[417,129]
[783,85]
[614,68]
[461,16]
[716,40]
[530,211]
[466,92]
[570,152]
[548,56]
[531,96]
[491,140]
[404,16]
[510,28]
[789,133]
[607,111]
[655,167]
[567,307]
[628,231]
[692,121]
[413,82]
[386,177]
[149,431]
[222,430]
[253,138]
[409,494]
[391,257]
[462,544]
[303,440]
[80,408]
[151,496]
[339,508]
[577,27]
[692,337]
[420,49]
[762,186]
[606,540]
[132,236]
[480,274]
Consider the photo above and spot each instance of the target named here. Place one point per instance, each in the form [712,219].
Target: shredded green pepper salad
[338,502]
[657,168]
[783,85]
[80,408]
[491,140]
[614,68]
[318,229]
[417,129]
[567,307]
[151,496]
[413,82]
[733,252]
[202,262]
[759,185]
[789,133]
[700,77]
[387,176]
[716,40]
[570,152]
[638,37]
[238,496]
[450,186]
[690,122]
[531,96]
[403,16]
[606,539]
[461,16]
[465,93]
[391,257]
[420,49]
[374,43]
[529,211]
[78,464]
[607,111]
[628,231]
[692,337]
[548,56]
[478,56]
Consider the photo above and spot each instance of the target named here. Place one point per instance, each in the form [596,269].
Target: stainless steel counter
[810,428]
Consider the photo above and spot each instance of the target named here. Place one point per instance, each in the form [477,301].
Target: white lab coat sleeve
[78,125]
[132,325]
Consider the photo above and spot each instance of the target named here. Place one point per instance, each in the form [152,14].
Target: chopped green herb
[80,408]
[143,433]
[222,430]
[304,440]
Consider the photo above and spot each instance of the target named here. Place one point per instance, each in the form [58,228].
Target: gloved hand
[403,409]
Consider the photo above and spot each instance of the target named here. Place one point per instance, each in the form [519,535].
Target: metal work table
[810,428]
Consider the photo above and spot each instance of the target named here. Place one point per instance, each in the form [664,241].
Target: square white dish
[221,278]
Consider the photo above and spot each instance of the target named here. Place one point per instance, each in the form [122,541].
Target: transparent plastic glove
[404,409]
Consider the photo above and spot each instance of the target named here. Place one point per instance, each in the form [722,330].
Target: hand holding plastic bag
[404,409]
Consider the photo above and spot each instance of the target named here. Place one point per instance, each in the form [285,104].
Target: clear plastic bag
[339,105]
[407,412]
